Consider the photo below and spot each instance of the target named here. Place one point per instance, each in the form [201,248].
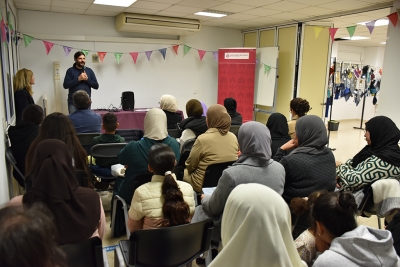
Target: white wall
[178,75]
[374,56]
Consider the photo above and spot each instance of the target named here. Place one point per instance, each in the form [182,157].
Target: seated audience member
[298,108]
[195,124]
[58,126]
[23,82]
[305,242]
[279,129]
[170,106]
[28,238]
[22,135]
[83,119]
[342,242]
[379,159]
[164,201]
[135,154]
[231,105]
[256,230]
[217,145]
[78,211]
[311,165]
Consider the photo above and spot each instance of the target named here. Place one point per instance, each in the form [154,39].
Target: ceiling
[248,14]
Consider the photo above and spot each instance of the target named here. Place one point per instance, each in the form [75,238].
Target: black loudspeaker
[128,100]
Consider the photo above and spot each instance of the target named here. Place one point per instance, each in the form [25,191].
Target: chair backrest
[141,179]
[86,140]
[10,158]
[234,129]
[88,253]
[367,203]
[175,133]
[107,151]
[214,172]
[170,246]
[185,151]
[130,134]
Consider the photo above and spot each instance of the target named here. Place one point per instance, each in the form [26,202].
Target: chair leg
[118,258]
[208,257]
[114,211]
[125,208]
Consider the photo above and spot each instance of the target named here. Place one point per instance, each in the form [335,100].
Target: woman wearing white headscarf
[169,104]
[311,165]
[135,154]
[256,230]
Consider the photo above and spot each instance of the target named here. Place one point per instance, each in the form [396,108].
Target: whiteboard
[265,83]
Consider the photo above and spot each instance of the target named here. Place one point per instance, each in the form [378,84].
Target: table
[130,119]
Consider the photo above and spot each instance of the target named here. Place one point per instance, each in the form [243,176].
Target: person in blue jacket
[79,77]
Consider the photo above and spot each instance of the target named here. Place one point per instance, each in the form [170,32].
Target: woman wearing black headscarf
[379,159]
[231,105]
[278,127]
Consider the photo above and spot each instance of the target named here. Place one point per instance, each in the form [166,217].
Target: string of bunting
[393,18]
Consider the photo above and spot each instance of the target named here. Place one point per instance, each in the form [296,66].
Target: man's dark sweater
[72,84]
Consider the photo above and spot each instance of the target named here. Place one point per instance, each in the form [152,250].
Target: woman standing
[23,82]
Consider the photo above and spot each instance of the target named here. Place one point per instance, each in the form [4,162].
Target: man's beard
[80,64]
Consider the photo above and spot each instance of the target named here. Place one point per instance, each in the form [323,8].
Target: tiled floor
[347,142]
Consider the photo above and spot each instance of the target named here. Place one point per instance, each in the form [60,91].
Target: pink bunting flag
[370,25]
[215,54]
[175,48]
[67,50]
[201,54]
[101,55]
[148,54]
[3,31]
[394,17]
[332,32]
[48,46]
[134,56]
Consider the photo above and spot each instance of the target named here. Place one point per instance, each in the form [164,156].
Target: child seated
[164,201]
[305,242]
[110,124]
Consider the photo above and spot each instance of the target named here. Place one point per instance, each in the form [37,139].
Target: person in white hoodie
[342,242]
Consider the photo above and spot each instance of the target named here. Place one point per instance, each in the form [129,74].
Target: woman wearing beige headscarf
[256,230]
[216,145]
[170,106]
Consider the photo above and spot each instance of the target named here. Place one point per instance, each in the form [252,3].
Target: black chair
[86,140]
[366,208]
[214,172]
[130,134]
[185,152]
[175,133]
[139,180]
[234,129]
[169,246]
[88,253]
[11,160]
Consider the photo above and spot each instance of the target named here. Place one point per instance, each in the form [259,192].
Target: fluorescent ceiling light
[354,38]
[379,22]
[213,13]
[383,42]
[123,3]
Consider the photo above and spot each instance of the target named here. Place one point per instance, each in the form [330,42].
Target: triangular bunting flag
[257,61]
[201,54]
[3,31]
[27,39]
[118,56]
[215,54]
[175,48]
[351,30]
[85,52]
[10,26]
[148,54]
[266,68]
[163,52]
[102,55]
[317,31]
[186,49]
[393,18]
[332,32]
[134,56]
[48,46]
[67,50]
[370,25]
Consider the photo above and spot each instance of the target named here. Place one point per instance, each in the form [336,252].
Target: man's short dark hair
[81,100]
[33,113]
[110,122]
[78,54]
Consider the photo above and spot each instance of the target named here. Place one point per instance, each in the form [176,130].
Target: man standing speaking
[79,77]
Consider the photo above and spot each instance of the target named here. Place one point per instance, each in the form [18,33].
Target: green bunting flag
[186,49]
[10,26]
[351,30]
[266,68]
[118,56]
[85,52]
[27,40]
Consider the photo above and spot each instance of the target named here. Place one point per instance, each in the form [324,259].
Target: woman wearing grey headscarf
[311,165]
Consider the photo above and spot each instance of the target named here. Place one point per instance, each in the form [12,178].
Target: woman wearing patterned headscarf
[195,124]
[170,106]
[216,145]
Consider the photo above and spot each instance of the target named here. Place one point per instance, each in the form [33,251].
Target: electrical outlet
[195,92]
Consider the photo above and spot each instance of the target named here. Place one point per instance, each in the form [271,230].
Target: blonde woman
[23,82]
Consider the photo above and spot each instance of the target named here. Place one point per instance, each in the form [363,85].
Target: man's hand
[289,145]
[82,77]
[202,196]
[338,163]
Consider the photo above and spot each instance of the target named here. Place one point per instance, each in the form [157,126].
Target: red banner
[236,73]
